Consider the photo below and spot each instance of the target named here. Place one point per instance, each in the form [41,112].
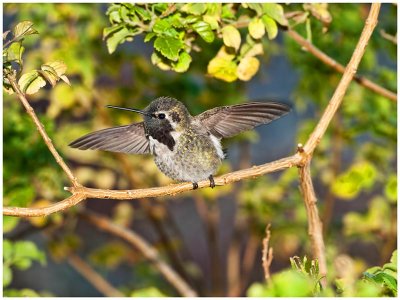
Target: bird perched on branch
[185,147]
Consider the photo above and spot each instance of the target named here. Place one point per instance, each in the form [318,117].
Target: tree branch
[93,277]
[145,248]
[340,68]
[81,193]
[41,130]
[267,253]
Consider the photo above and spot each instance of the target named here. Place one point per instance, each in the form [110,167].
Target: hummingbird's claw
[212,182]
[195,185]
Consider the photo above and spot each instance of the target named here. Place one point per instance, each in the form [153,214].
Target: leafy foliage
[178,29]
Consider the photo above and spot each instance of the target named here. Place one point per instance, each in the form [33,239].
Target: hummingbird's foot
[195,185]
[212,182]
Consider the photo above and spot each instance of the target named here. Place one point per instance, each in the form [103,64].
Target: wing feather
[227,121]
[126,139]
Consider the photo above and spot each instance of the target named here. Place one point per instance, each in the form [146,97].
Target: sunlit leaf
[275,11]
[222,68]
[15,51]
[270,26]
[194,8]
[182,65]
[391,188]
[24,28]
[231,37]
[247,68]
[31,82]
[7,276]
[116,38]
[204,30]
[212,20]
[159,61]
[169,47]
[256,28]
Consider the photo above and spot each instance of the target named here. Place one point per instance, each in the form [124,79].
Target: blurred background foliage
[211,237]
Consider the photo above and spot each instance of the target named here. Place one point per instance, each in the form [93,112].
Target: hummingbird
[185,147]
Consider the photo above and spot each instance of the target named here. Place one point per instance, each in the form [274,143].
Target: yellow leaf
[59,67]
[256,28]
[231,37]
[270,26]
[222,68]
[247,68]
[31,82]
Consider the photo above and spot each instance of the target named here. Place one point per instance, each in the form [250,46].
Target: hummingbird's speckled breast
[194,157]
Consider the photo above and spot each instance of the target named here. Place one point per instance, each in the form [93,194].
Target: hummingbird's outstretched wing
[127,139]
[227,121]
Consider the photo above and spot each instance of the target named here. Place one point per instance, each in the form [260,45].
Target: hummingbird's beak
[129,109]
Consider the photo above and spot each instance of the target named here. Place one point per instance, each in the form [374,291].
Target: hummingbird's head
[166,112]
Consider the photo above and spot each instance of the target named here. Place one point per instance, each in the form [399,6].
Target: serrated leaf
[270,26]
[231,37]
[275,11]
[168,47]
[31,82]
[183,63]
[204,30]
[58,66]
[256,28]
[143,13]
[247,68]
[116,38]
[222,68]
[24,29]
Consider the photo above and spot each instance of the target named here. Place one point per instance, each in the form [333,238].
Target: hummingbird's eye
[161,116]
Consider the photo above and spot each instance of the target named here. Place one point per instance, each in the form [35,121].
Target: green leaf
[164,28]
[204,30]
[27,250]
[231,37]
[7,250]
[24,28]
[169,47]
[149,36]
[212,20]
[247,68]
[7,276]
[270,26]
[143,13]
[194,8]
[275,11]
[117,37]
[183,63]
[256,28]
[222,68]
[31,82]
[14,52]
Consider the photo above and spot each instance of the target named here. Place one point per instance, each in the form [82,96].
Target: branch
[145,248]
[93,277]
[347,77]
[41,130]
[314,223]
[340,68]
[81,193]
[267,253]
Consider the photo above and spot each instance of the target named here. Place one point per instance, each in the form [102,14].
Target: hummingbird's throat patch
[163,136]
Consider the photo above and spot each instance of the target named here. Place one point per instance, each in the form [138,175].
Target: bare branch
[315,230]
[145,248]
[80,193]
[340,68]
[267,253]
[42,131]
[93,277]
[348,75]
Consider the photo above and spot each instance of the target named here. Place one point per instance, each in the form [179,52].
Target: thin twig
[267,253]
[93,277]
[42,131]
[338,67]
[145,248]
